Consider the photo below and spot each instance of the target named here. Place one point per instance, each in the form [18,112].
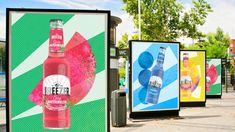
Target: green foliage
[167,20]
[123,43]
[3,57]
[196,16]
[196,46]
[215,44]
[135,37]
[122,72]
[182,46]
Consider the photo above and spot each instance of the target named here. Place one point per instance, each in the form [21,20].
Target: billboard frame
[35,10]
[195,103]
[217,96]
[151,114]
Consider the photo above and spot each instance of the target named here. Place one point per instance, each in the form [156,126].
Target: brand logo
[56,91]
[186,80]
[155,81]
[56,85]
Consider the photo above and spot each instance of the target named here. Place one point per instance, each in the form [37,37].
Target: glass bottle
[155,81]
[56,81]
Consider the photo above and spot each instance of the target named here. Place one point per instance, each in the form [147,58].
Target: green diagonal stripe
[215,89]
[22,87]
[88,117]
[97,43]
[30,30]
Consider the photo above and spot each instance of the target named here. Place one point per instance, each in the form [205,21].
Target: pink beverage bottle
[56,81]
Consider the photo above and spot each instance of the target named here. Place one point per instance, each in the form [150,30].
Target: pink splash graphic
[83,67]
[211,76]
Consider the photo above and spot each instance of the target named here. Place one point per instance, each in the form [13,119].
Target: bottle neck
[56,41]
[160,59]
[185,61]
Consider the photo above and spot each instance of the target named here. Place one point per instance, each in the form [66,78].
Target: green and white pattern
[28,35]
[215,88]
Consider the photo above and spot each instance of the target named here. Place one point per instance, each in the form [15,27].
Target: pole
[139,19]
[226,86]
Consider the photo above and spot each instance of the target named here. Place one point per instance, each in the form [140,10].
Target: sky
[223,14]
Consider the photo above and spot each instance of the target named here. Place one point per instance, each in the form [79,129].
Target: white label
[186,80]
[56,85]
[155,81]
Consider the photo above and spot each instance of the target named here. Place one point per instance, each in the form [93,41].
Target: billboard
[58,70]
[213,77]
[154,79]
[192,77]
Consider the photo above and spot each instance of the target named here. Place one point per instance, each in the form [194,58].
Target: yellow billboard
[192,76]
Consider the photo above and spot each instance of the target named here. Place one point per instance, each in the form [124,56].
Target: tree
[196,16]
[215,44]
[123,43]
[167,19]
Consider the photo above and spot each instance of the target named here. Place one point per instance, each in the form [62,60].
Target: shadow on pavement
[199,117]
[201,125]
[134,125]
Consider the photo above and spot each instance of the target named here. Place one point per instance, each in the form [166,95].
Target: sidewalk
[217,116]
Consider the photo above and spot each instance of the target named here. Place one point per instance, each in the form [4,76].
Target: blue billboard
[154,76]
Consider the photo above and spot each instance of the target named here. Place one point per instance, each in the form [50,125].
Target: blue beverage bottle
[155,81]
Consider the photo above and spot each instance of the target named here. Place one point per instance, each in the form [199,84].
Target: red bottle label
[56,40]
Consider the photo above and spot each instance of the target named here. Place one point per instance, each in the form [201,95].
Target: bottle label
[155,81]
[186,80]
[56,92]
[56,40]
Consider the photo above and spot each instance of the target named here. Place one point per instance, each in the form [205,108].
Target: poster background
[215,88]
[28,48]
[169,95]
[197,59]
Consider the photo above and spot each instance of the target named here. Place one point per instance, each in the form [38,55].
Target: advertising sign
[213,77]
[154,80]
[58,70]
[192,77]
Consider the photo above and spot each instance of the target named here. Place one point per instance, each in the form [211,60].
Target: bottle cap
[56,23]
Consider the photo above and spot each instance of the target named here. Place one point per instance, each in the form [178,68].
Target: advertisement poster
[154,84]
[213,77]
[57,70]
[192,76]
